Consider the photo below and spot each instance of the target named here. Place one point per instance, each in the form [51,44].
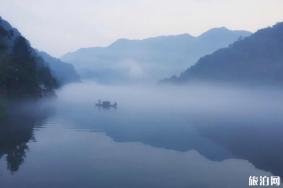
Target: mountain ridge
[23,70]
[154,58]
[256,59]
[156,37]
[64,72]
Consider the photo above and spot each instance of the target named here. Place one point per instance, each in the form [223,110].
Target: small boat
[106,104]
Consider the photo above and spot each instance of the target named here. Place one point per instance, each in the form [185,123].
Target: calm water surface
[168,137]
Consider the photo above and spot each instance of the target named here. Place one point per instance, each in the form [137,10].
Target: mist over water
[200,135]
[193,99]
[143,100]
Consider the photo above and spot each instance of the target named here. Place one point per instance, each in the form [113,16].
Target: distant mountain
[254,60]
[22,71]
[63,72]
[149,59]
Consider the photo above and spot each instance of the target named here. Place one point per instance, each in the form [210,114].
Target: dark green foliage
[23,74]
[2,43]
[2,110]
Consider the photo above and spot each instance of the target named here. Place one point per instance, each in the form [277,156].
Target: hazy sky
[60,26]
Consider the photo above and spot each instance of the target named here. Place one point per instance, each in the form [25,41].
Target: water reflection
[259,142]
[88,159]
[139,144]
[217,138]
[16,131]
[248,127]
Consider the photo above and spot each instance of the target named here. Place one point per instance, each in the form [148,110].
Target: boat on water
[106,104]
